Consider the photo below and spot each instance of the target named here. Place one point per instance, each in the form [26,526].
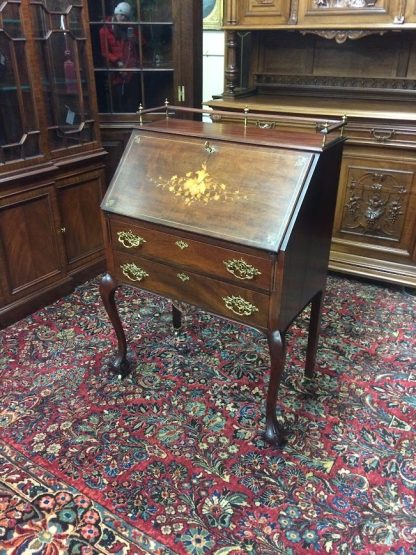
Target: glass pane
[156,10]
[130,39]
[62,51]
[11,20]
[57,5]
[19,129]
[117,94]
[157,46]
[158,87]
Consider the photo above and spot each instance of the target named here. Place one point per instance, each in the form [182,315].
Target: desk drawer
[216,261]
[237,303]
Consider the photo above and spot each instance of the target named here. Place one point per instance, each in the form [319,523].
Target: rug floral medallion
[170,460]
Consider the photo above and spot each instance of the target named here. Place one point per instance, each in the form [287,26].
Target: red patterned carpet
[170,461]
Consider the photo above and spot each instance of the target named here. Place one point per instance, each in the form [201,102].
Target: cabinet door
[255,13]
[19,125]
[146,51]
[61,49]
[376,211]
[30,244]
[349,12]
[79,199]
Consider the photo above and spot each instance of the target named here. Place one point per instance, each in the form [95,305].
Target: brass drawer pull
[133,272]
[129,240]
[240,269]
[266,124]
[182,245]
[182,277]
[382,135]
[239,306]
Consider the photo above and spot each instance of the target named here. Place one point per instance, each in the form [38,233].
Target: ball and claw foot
[274,435]
[121,367]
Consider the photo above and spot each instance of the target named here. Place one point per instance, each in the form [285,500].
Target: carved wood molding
[294,12]
[368,83]
[341,36]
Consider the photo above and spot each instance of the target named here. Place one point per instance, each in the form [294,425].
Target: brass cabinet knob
[129,240]
[133,272]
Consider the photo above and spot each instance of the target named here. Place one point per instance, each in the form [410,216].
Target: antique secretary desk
[231,218]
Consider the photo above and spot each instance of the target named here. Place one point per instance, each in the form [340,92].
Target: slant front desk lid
[218,180]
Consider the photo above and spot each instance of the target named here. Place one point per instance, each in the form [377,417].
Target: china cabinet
[330,58]
[158,47]
[51,158]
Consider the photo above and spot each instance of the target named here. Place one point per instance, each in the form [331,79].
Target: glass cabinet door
[19,128]
[61,44]
[133,53]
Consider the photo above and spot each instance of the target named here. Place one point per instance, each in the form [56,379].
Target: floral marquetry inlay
[376,203]
[199,186]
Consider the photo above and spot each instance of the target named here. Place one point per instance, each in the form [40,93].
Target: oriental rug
[170,460]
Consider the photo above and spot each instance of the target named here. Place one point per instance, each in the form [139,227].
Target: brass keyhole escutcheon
[182,245]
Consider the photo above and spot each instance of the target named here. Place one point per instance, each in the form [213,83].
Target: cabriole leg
[107,288]
[273,433]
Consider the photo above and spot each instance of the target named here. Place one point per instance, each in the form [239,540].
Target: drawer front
[246,270]
[381,134]
[237,303]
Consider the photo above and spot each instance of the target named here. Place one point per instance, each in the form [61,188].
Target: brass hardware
[246,110]
[133,272]
[129,240]
[210,149]
[62,230]
[239,306]
[266,124]
[181,93]
[240,269]
[182,245]
[182,277]
[382,135]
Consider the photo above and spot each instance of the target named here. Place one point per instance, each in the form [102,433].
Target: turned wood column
[232,71]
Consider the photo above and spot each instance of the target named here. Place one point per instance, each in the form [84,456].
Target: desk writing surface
[236,192]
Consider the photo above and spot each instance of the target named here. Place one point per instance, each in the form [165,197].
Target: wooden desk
[235,220]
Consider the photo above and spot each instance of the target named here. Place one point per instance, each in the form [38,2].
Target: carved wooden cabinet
[331,59]
[51,159]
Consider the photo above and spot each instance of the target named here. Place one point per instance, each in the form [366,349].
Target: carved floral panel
[376,202]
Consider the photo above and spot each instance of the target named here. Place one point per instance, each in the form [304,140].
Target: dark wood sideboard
[327,58]
[230,218]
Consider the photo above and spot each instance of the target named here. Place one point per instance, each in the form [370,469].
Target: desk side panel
[303,260]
